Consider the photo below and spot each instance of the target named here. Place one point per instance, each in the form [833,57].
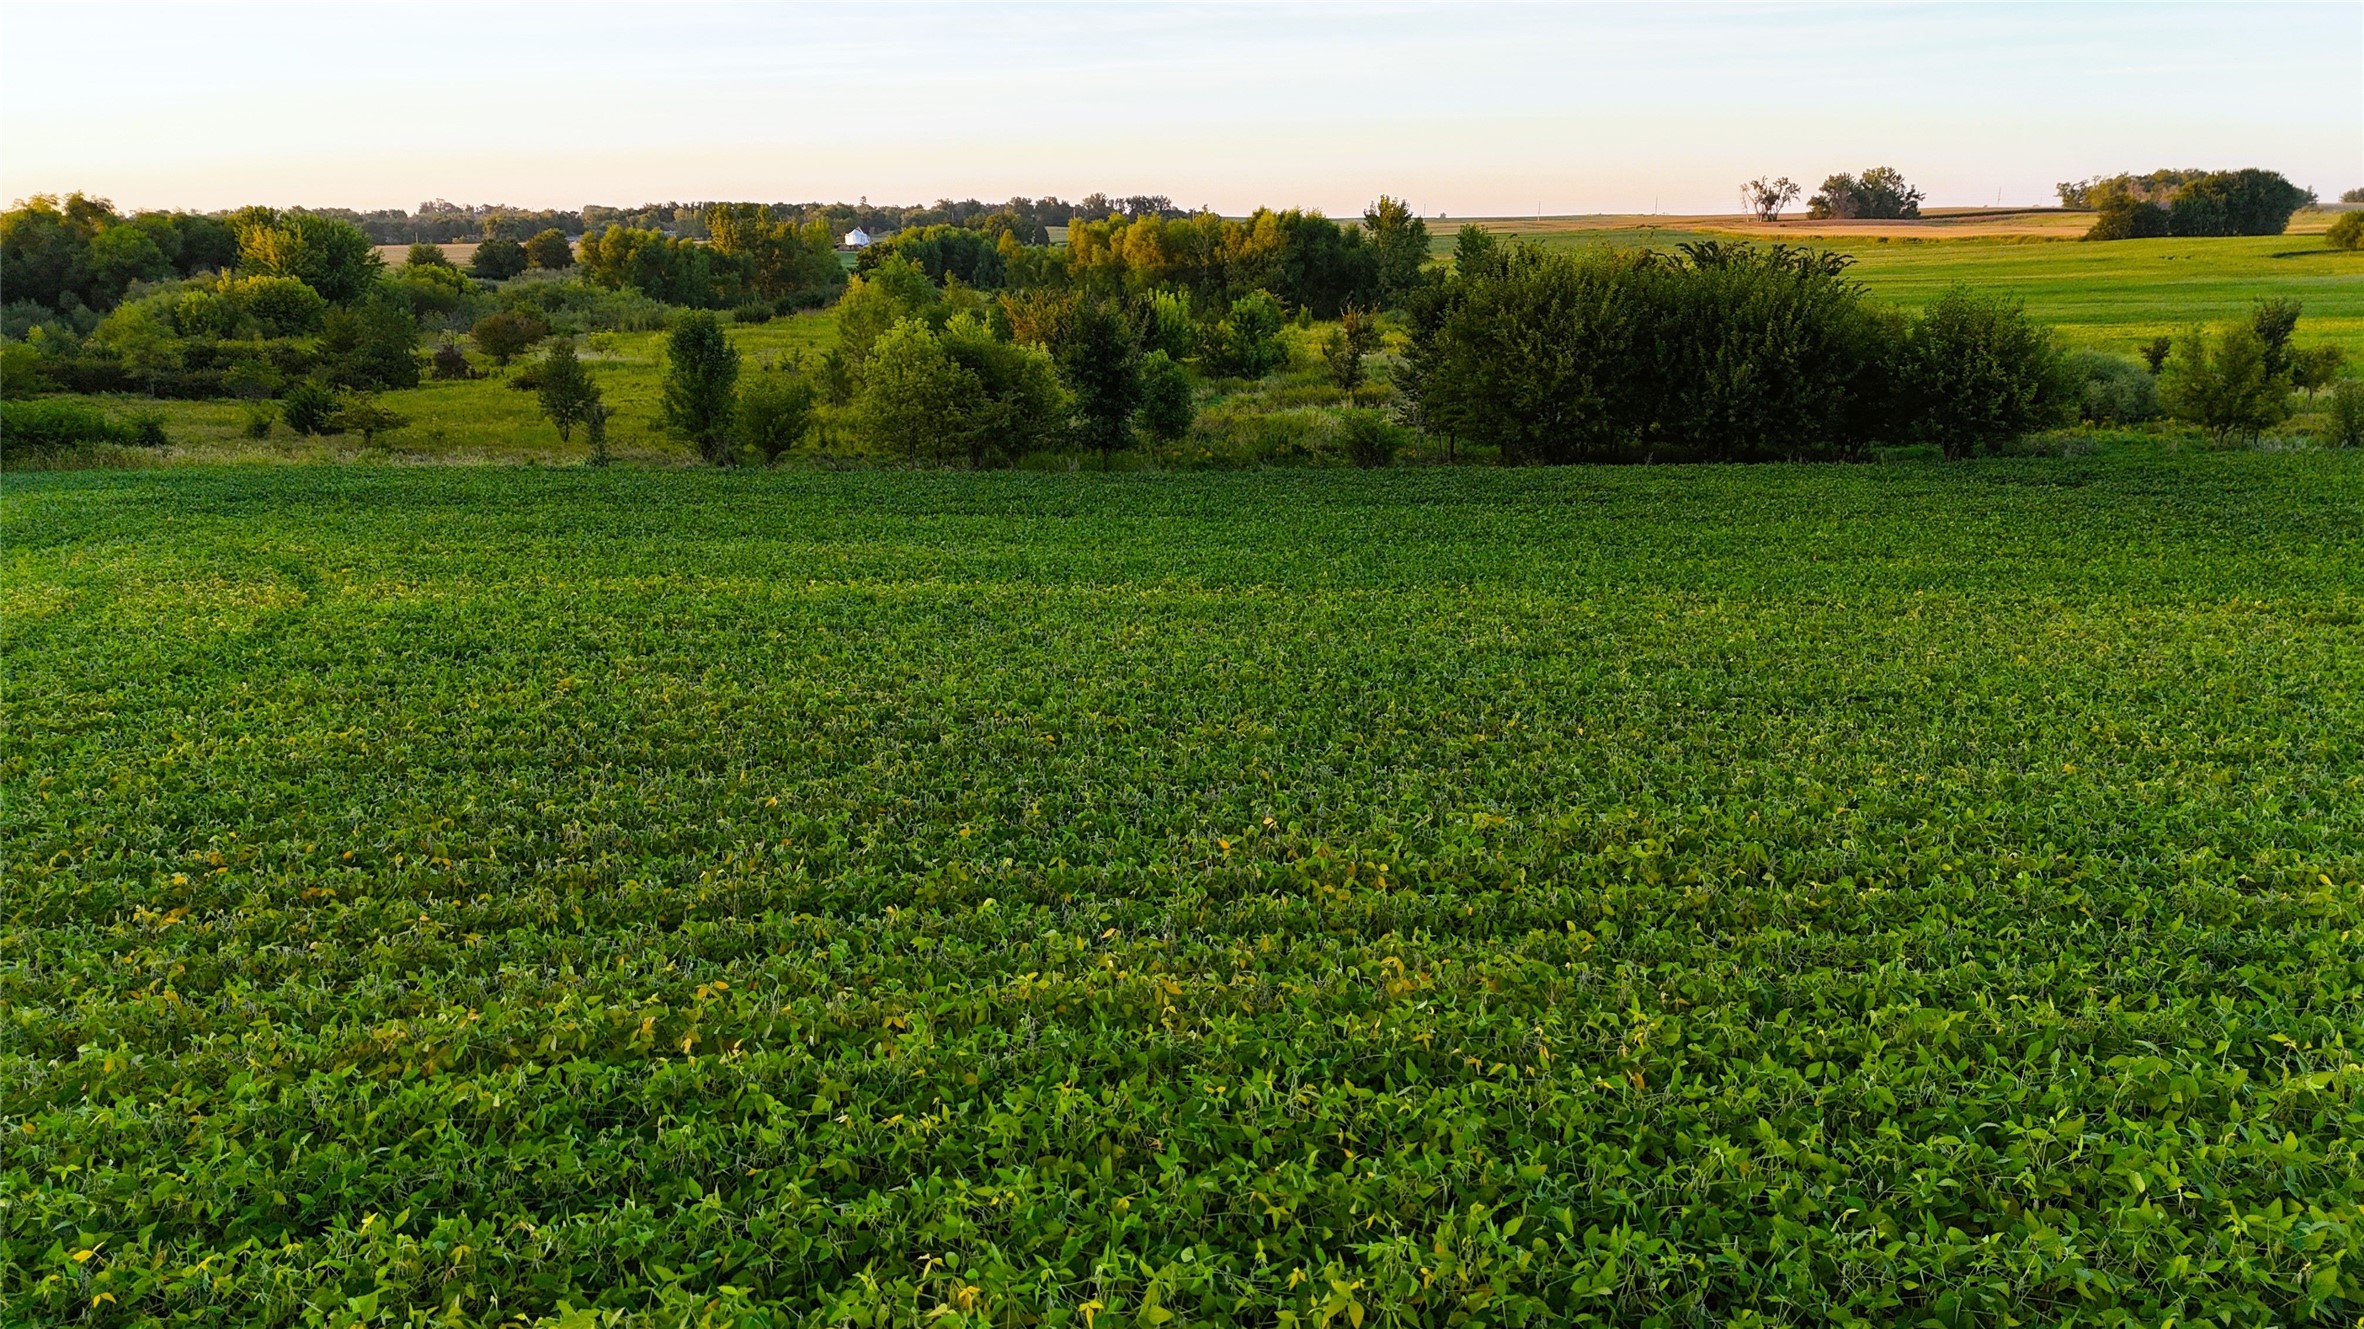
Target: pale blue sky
[1467,109]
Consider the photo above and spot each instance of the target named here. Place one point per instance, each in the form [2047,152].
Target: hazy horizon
[1474,111]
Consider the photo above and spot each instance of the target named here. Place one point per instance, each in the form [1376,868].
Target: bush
[700,389]
[1166,412]
[1731,352]
[506,335]
[2224,386]
[259,418]
[363,415]
[1370,439]
[1977,372]
[309,409]
[46,428]
[2347,231]
[752,312]
[2345,414]
[775,411]
[498,259]
[2111,391]
[283,306]
[22,373]
[1246,343]
[549,249]
[2124,218]
[426,256]
[145,430]
[450,363]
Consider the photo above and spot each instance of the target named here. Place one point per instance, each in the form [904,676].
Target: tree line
[2186,203]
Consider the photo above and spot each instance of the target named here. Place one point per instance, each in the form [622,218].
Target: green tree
[1400,239]
[308,408]
[1878,194]
[1101,363]
[372,345]
[498,259]
[2224,385]
[549,249]
[1355,337]
[333,257]
[916,399]
[2274,320]
[426,256]
[366,416]
[775,413]
[1246,343]
[507,334]
[565,388]
[2347,231]
[1020,406]
[1166,413]
[701,383]
[1979,372]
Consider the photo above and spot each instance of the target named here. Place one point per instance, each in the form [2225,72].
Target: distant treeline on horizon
[440,222]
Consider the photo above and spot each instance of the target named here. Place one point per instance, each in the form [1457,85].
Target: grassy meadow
[2111,296]
[1735,895]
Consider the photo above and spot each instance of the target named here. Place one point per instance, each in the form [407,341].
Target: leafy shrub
[283,306]
[258,420]
[2112,391]
[508,334]
[1246,343]
[754,311]
[2344,413]
[2155,352]
[1977,372]
[498,259]
[144,430]
[700,388]
[2224,385]
[1369,438]
[549,249]
[449,363]
[1727,353]
[1166,411]
[371,346]
[22,373]
[309,409]
[775,412]
[2122,218]
[366,416]
[45,428]
[426,256]
[2346,232]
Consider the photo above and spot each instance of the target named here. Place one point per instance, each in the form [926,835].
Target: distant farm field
[1820,895]
[2109,296]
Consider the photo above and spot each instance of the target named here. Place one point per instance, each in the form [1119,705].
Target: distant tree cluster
[1878,194]
[2187,203]
[76,257]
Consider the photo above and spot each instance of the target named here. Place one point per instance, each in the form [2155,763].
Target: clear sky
[1470,110]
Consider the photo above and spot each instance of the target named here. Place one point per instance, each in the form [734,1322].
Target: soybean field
[1662,896]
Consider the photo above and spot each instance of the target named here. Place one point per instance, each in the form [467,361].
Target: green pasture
[2111,296]
[1902,894]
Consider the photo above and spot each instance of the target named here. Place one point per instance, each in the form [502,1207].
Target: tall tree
[1101,361]
[566,389]
[1766,196]
[701,379]
[1401,239]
